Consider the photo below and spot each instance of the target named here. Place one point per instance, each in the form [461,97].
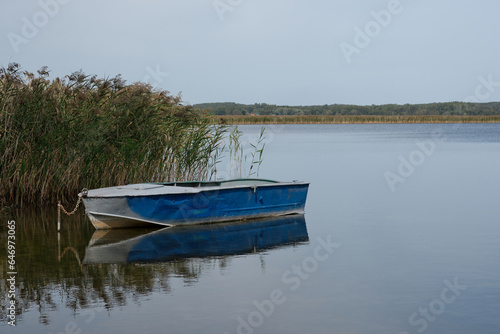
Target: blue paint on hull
[221,204]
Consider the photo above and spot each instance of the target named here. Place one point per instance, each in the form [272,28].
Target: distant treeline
[445,109]
[350,119]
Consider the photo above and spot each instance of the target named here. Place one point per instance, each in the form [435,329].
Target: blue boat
[184,203]
[195,241]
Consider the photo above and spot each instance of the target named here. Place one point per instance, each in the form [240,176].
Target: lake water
[401,235]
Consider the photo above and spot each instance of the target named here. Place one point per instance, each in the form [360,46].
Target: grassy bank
[59,136]
[349,119]
[438,108]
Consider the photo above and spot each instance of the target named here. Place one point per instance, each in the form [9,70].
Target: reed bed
[349,119]
[59,136]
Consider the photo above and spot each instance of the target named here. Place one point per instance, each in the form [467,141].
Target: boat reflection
[166,244]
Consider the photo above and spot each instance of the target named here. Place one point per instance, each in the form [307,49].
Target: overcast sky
[287,52]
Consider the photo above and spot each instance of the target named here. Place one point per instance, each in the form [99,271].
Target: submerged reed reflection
[76,269]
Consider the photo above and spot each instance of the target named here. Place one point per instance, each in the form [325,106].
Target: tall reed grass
[240,159]
[58,136]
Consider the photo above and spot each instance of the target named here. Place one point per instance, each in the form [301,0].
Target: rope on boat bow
[59,205]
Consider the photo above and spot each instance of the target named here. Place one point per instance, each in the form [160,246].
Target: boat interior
[222,183]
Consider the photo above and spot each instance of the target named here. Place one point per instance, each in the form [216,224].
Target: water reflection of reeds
[52,273]
[49,268]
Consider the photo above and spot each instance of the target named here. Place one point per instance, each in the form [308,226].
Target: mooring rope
[84,191]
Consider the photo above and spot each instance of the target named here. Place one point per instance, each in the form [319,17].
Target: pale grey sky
[287,52]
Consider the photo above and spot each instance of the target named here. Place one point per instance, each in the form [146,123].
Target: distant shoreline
[349,119]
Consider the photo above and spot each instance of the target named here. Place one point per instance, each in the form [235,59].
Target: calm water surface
[401,235]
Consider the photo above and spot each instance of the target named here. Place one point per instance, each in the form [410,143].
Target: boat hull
[196,205]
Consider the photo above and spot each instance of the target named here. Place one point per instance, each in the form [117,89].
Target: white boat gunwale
[161,189]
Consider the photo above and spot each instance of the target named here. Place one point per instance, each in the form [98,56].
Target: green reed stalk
[58,136]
